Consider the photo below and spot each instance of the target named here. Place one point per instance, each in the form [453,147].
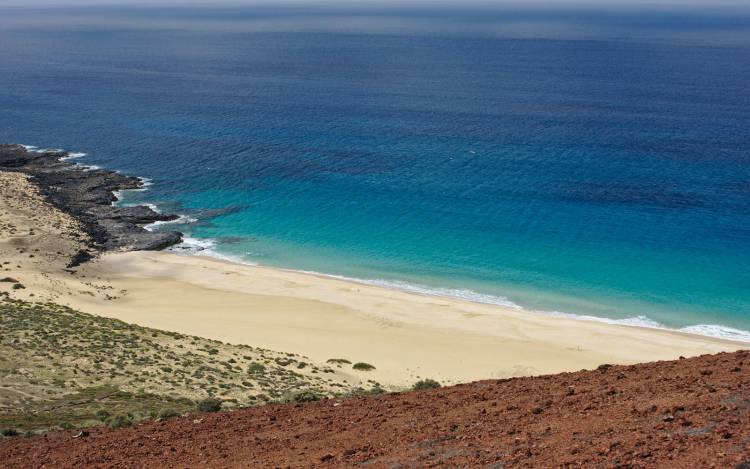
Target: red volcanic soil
[686,413]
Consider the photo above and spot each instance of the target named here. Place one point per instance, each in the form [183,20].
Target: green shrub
[363,366]
[339,361]
[209,405]
[283,361]
[10,432]
[165,414]
[119,421]
[256,368]
[426,384]
[102,415]
[306,396]
[360,391]
[376,390]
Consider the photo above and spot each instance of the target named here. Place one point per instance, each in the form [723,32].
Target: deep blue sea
[584,162]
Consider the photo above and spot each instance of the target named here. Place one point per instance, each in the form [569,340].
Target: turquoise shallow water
[589,173]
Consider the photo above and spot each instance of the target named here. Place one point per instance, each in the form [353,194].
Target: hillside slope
[60,368]
[686,413]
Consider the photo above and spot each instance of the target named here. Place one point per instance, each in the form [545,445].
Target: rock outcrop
[88,194]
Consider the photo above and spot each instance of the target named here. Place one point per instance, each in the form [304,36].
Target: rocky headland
[88,195]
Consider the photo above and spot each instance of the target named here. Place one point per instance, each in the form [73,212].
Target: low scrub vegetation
[426,384]
[338,361]
[60,368]
[306,396]
[167,413]
[209,405]
[363,366]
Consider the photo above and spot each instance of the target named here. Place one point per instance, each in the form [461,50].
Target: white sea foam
[146,204]
[195,244]
[34,149]
[207,247]
[145,183]
[180,220]
[722,332]
[638,321]
[72,156]
[710,330]
[463,294]
[121,193]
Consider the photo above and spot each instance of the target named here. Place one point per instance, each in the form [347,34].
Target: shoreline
[142,233]
[412,289]
[717,331]
[405,335]
[502,302]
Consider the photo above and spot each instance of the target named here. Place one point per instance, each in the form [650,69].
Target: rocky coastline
[88,195]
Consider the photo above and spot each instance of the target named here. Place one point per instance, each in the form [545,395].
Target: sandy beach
[406,336]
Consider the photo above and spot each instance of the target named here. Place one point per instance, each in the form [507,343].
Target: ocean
[578,162]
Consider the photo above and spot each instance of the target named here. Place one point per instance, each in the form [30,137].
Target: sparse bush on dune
[113,373]
[363,366]
[256,368]
[426,384]
[338,361]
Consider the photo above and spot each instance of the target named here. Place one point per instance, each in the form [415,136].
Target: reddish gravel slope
[686,413]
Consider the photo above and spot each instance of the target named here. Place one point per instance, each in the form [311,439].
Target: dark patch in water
[220,212]
[235,239]
[630,194]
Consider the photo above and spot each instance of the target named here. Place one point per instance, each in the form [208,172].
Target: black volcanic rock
[87,195]
[135,214]
[80,257]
